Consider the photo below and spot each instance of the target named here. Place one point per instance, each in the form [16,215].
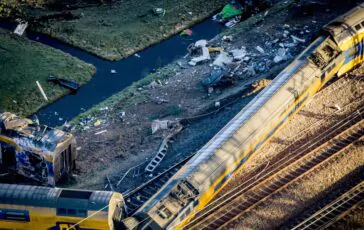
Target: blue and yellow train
[338,50]
[34,207]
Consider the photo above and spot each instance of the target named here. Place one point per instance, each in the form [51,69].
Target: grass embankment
[121,29]
[23,62]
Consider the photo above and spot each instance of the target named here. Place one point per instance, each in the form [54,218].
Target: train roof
[51,197]
[28,135]
[344,26]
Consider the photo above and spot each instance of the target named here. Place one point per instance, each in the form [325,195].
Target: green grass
[117,31]
[23,62]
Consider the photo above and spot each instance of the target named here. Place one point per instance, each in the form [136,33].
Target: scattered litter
[297,39]
[97,123]
[233,22]
[186,32]
[229,11]
[42,91]
[161,125]
[137,55]
[239,54]
[56,113]
[217,104]
[190,13]
[78,148]
[266,13]
[215,49]
[260,49]
[337,107]
[210,90]
[20,29]
[60,119]
[213,78]
[222,59]
[227,38]
[103,131]
[205,53]
[153,85]
[159,11]
[65,83]
[281,55]
[104,108]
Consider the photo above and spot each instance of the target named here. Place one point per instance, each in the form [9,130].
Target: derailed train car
[32,207]
[335,52]
[40,153]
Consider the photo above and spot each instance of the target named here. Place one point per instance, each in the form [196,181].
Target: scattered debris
[227,38]
[161,125]
[137,55]
[186,32]
[337,107]
[222,59]
[239,54]
[281,55]
[213,78]
[215,49]
[112,71]
[260,49]
[297,39]
[97,123]
[217,104]
[159,11]
[100,132]
[229,11]
[20,29]
[42,91]
[205,53]
[65,83]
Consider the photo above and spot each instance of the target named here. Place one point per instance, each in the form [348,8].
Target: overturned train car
[338,50]
[42,154]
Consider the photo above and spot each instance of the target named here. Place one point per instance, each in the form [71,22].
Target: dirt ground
[319,114]
[126,139]
[22,62]
[117,30]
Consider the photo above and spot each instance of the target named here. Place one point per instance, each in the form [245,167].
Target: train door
[66,161]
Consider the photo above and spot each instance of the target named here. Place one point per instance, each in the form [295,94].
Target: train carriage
[32,207]
[42,154]
[336,51]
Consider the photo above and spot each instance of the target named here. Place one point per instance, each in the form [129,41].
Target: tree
[11,7]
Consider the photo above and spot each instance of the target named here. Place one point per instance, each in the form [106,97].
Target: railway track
[335,210]
[280,174]
[137,197]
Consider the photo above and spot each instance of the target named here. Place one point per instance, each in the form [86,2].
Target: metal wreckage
[42,154]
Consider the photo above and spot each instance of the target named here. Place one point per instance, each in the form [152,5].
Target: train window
[61,211]
[82,212]
[71,212]
[358,27]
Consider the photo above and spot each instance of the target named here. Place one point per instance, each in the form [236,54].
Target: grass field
[23,62]
[118,30]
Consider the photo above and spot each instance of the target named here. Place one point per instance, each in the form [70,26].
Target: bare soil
[128,141]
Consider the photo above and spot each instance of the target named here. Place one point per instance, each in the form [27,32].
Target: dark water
[104,84]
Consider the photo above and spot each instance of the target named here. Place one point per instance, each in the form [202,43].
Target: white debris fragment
[102,131]
[281,55]
[112,71]
[217,104]
[41,91]
[20,29]
[160,125]
[78,148]
[239,54]
[137,55]
[260,49]
[337,107]
[222,59]
[297,39]
[266,13]
[210,90]
[205,53]
[227,38]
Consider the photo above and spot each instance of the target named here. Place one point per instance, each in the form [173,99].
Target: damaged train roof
[30,135]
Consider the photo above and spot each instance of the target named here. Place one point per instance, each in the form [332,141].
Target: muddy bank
[23,62]
[117,30]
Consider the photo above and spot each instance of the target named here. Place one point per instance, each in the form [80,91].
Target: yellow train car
[40,208]
[42,154]
[335,52]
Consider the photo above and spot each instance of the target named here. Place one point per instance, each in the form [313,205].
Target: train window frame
[71,212]
[357,27]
